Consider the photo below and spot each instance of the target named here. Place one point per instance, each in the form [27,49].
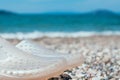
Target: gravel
[102,59]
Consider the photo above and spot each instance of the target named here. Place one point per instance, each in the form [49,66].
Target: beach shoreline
[58,40]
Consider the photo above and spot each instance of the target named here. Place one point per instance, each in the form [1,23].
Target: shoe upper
[36,49]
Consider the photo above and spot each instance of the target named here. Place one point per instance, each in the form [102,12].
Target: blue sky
[41,6]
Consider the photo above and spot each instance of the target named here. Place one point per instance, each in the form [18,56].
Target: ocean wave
[37,34]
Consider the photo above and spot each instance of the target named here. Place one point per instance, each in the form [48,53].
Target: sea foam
[37,34]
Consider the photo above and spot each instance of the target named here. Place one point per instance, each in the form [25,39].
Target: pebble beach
[102,56]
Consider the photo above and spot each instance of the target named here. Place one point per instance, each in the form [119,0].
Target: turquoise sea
[94,21]
[97,21]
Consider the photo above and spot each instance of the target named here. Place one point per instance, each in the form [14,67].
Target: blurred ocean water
[99,21]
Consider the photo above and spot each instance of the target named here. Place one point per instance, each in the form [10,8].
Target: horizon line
[59,12]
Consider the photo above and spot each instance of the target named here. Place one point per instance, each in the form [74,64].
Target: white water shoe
[73,60]
[18,65]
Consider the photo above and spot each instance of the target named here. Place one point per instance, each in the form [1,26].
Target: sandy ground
[102,56]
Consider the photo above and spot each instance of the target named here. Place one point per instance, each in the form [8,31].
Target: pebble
[65,77]
[106,58]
